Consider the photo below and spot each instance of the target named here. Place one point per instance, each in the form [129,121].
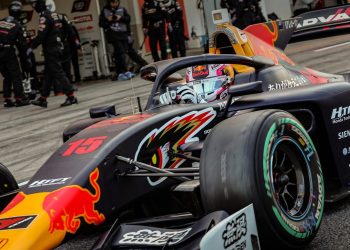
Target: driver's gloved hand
[168,97]
[187,95]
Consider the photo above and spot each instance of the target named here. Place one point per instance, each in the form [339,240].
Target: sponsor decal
[80,6]
[240,246]
[346,151]
[19,222]
[289,24]
[155,147]
[83,19]
[154,238]
[121,120]
[206,132]
[200,72]
[49,182]
[339,16]
[222,105]
[344,134]
[235,230]
[68,205]
[85,146]
[320,197]
[243,36]
[294,82]
[340,114]
[215,66]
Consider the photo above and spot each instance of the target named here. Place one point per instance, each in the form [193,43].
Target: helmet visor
[209,85]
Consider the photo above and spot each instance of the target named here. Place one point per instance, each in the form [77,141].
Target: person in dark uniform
[133,54]
[49,36]
[175,28]
[153,23]
[244,12]
[116,19]
[68,38]
[11,35]
[32,72]
[231,6]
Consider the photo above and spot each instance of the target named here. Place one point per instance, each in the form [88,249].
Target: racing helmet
[210,82]
[15,9]
[38,5]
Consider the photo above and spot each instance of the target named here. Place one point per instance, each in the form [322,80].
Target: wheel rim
[290,176]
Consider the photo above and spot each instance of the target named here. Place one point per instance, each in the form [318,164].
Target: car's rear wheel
[268,159]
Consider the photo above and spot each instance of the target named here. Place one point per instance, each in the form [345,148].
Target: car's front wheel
[268,159]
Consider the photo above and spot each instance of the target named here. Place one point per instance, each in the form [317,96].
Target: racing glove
[187,95]
[168,97]
[183,94]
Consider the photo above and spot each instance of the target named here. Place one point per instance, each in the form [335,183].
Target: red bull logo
[68,205]
[269,34]
[200,72]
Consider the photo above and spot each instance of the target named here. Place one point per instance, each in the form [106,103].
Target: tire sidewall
[301,231]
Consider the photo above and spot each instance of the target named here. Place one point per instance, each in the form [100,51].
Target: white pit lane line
[331,47]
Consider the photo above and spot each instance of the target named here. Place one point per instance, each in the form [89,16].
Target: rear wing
[332,18]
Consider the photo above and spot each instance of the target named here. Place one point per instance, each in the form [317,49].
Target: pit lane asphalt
[29,135]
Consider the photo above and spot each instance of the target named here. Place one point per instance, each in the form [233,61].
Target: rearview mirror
[105,111]
[149,76]
[175,77]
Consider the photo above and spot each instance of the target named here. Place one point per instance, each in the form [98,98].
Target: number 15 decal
[85,146]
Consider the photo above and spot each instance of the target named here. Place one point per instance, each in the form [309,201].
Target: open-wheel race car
[227,154]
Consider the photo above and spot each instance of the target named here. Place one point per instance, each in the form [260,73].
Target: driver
[204,83]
